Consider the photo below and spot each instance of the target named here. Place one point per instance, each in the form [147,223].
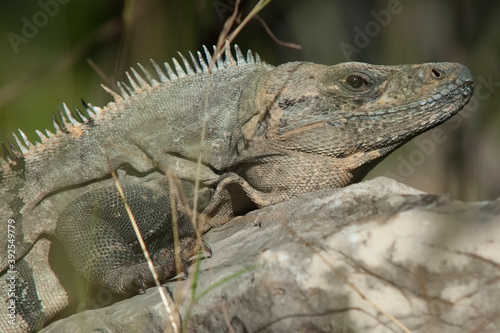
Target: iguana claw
[207,248]
[185,270]
[142,287]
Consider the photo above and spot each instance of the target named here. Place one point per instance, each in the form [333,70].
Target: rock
[377,256]
[141,313]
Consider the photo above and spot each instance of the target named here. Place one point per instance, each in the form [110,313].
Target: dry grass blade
[179,203]
[225,36]
[194,220]
[175,225]
[273,36]
[258,7]
[144,250]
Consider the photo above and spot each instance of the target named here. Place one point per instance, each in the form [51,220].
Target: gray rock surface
[141,313]
[365,258]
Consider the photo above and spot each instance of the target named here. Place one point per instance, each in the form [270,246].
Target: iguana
[238,136]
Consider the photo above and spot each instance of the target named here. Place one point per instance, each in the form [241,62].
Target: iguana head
[356,111]
[327,126]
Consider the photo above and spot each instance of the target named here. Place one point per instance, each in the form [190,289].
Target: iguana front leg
[101,243]
[234,196]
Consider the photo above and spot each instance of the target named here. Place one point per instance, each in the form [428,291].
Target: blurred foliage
[80,44]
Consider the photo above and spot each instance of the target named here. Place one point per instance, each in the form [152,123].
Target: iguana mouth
[434,102]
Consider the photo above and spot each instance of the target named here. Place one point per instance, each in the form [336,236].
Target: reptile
[194,139]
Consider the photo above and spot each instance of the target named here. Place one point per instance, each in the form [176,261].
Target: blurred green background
[61,51]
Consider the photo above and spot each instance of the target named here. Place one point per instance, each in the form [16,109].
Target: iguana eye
[354,81]
[357,82]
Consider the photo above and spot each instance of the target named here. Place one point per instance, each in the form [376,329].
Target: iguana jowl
[262,134]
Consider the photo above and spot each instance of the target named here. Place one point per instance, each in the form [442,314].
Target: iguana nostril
[437,73]
[466,75]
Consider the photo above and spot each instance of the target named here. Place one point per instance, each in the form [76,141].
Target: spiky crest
[138,82]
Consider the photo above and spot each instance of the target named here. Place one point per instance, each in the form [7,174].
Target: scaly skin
[262,134]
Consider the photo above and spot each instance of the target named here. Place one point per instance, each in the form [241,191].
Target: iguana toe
[208,249]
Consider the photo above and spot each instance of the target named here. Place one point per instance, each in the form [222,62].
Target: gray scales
[250,133]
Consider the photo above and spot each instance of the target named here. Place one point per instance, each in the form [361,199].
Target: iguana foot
[136,278]
[102,245]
